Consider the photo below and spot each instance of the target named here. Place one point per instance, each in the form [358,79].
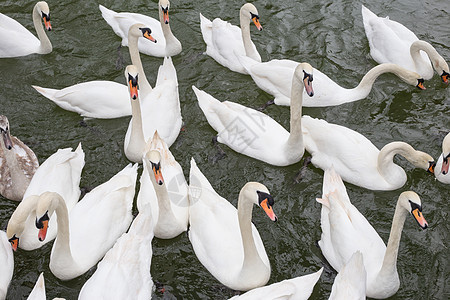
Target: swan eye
[307,75]
[431,166]
[46,17]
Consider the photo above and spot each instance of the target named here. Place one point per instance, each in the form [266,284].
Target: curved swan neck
[365,85]
[246,38]
[144,86]
[20,215]
[295,136]
[251,256]
[387,153]
[62,242]
[422,65]
[390,257]
[46,45]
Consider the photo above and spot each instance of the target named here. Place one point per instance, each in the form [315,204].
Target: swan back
[350,282]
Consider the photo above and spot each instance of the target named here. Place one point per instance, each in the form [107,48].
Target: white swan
[224,42]
[275,77]
[18,163]
[255,134]
[350,282]
[345,230]
[18,41]
[356,158]
[100,98]
[7,263]
[392,42]
[124,272]
[167,45]
[224,239]
[61,173]
[38,292]
[442,165]
[298,288]
[160,109]
[93,225]
[164,188]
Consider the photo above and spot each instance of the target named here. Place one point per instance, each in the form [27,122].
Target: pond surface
[330,36]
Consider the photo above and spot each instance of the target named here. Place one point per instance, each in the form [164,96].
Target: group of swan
[18,163]
[345,230]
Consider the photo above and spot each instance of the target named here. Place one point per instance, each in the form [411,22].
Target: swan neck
[387,153]
[365,85]
[144,86]
[62,242]
[422,66]
[162,195]
[251,256]
[137,138]
[26,207]
[46,45]
[295,136]
[390,257]
[246,38]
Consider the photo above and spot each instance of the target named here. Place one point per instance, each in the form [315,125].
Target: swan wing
[350,283]
[102,216]
[38,292]
[92,99]
[7,262]
[125,269]
[121,23]
[298,288]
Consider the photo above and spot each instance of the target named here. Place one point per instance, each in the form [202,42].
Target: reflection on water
[327,34]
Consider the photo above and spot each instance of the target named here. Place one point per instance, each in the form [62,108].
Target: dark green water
[329,35]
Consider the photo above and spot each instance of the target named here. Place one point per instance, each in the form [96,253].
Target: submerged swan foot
[270,102]
[302,171]
[119,61]
[220,153]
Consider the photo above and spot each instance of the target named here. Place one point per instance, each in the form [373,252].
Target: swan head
[423,160]
[258,194]
[44,12]
[164,6]
[410,201]
[441,67]
[249,12]
[14,231]
[45,208]
[154,158]
[445,155]
[4,129]
[131,76]
[304,73]
[140,30]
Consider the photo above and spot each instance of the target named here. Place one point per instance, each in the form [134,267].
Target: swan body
[124,272]
[18,41]
[224,42]
[164,188]
[392,42]
[255,134]
[60,173]
[160,108]
[18,163]
[7,263]
[441,170]
[167,45]
[350,282]
[224,239]
[345,230]
[100,98]
[356,159]
[93,225]
[275,77]
[298,288]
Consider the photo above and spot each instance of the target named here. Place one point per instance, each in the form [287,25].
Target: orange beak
[257,24]
[308,86]
[419,218]
[47,24]
[444,77]
[166,16]
[14,243]
[420,84]
[148,36]
[431,167]
[133,91]
[43,231]
[445,165]
[268,209]
[158,176]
